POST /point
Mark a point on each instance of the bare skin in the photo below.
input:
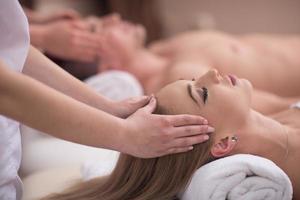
(290, 166)
(192, 54)
(276, 137)
(262, 59)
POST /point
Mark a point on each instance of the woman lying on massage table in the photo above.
(271, 63)
(225, 102)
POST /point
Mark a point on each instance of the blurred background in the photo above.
(163, 18)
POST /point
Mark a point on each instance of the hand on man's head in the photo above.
(70, 39)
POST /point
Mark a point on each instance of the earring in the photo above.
(234, 138)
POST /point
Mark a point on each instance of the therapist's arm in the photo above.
(142, 134)
(34, 104)
(44, 70)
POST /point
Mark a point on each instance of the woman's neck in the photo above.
(148, 68)
(265, 137)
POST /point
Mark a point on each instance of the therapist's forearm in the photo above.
(36, 105)
(44, 70)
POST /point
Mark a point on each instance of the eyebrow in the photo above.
(189, 89)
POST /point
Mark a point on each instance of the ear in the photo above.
(223, 147)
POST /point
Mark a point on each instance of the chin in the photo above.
(249, 84)
(246, 87)
(245, 83)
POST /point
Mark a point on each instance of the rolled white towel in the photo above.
(239, 177)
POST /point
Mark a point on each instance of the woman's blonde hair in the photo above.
(161, 178)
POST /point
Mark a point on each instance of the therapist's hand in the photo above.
(70, 39)
(59, 15)
(149, 135)
(127, 107)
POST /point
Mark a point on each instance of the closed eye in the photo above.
(205, 94)
(189, 89)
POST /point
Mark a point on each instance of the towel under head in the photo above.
(239, 177)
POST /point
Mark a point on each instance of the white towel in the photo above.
(239, 177)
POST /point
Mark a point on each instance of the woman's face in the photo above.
(223, 100)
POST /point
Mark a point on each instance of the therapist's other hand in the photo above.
(149, 135)
(125, 108)
(58, 15)
(70, 39)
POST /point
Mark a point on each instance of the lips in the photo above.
(233, 79)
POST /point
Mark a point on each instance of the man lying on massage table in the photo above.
(270, 62)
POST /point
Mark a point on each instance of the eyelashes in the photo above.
(203, 93)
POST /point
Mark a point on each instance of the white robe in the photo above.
(14, 45)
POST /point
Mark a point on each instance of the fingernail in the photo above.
(210, 129)
(205, 122)
(205, 137)
(191, 148)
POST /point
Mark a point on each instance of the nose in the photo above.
(213, 76)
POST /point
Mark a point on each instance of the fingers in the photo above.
(86, 39)
(150, 107)
(178, 150)
(70, 14)
(111, 19)
(84, 47)
(189, 141)
(131, 105)
(139, 101)
(183, 120)
(186, 131)
(81, 25)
